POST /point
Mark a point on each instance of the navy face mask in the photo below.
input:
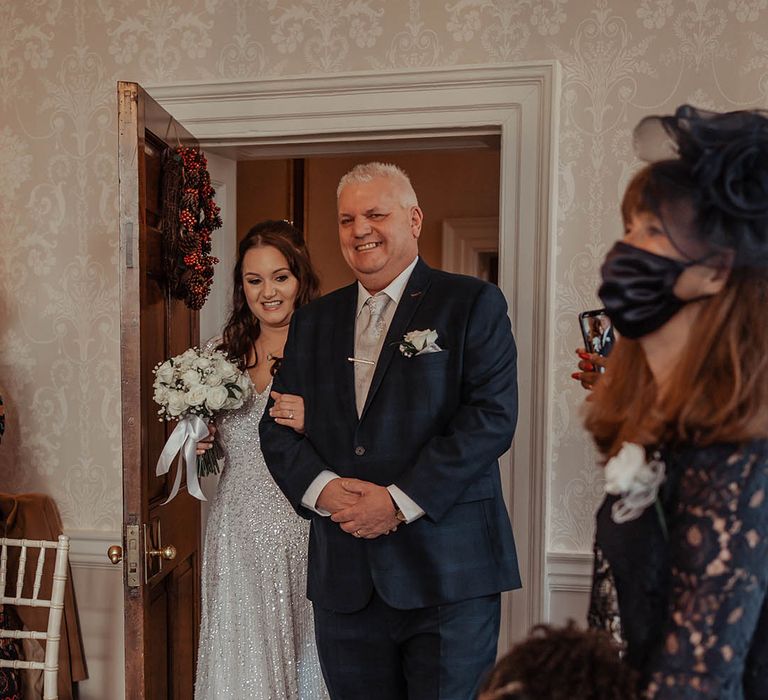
(637, 289)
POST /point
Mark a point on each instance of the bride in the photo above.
(256, 634)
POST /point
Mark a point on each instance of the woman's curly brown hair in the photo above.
(562, 663)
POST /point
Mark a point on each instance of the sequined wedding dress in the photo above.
(256, 634)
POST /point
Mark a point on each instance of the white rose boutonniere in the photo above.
(419, 343)
(637, 481)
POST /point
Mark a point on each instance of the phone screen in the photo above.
(597, 331)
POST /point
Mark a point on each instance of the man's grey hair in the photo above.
(365, 172)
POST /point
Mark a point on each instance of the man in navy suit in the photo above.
(410, 543)
(606, 336)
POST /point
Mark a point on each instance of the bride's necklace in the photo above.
(271, 355)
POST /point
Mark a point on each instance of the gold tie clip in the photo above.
(357, 359)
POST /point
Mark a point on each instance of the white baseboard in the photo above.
(88, 548)
(99, 591)
(569, 581)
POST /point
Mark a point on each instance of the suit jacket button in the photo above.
(359, 450)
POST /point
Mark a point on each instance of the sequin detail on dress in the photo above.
(256, 634)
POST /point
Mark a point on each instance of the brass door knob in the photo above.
(167, 552)
(115, 553)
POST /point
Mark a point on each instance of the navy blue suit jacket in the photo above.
(434, 425)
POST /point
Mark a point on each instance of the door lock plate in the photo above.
(132, 576)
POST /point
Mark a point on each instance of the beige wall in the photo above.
(263, 192)
(451, 184)
(59, 354)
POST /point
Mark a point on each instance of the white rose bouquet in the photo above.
(193, 388)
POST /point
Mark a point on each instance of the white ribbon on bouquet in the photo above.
(183, 440)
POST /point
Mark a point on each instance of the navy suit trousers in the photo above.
(382, 653)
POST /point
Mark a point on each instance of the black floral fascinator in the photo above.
(726, 158)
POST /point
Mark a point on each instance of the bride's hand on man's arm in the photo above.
(288, 410)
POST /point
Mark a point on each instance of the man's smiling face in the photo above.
(377, 232)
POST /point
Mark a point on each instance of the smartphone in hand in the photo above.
(597, 332)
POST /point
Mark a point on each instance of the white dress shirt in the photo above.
(407, 505)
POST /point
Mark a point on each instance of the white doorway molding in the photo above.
(516, 102)
(215, 312)
(465, 240)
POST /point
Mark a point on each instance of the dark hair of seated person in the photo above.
(561, 663)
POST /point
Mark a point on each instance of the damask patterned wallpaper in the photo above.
(60, 60)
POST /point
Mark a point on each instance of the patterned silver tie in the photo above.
(371, 328)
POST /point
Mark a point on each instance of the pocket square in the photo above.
(432, 347)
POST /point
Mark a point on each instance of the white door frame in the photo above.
(465, 239)
(519, 102)
(215, 312)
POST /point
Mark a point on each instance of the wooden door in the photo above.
(161, 594)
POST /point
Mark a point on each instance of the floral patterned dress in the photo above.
(689, 605)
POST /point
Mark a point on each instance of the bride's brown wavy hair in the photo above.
(242, 329)
(717, 391)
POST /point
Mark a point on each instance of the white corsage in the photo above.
(419, 343)
(637, 481)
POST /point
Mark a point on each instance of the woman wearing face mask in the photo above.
(256, 632)
(681, 415)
